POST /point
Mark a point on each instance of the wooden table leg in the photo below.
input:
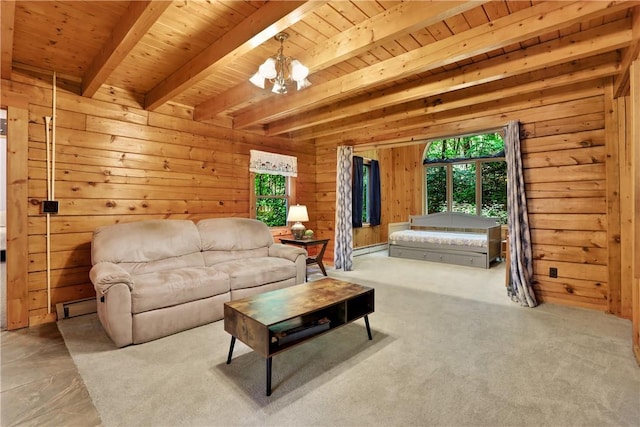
(319, 258)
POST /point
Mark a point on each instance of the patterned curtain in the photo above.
(520, 289)
(343, 248)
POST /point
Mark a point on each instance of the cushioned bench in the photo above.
(449, 237)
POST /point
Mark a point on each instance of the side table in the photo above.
(305, 243)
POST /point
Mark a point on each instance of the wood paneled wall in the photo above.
(565, 145)
(116, 162)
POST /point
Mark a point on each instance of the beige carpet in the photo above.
(449, 348)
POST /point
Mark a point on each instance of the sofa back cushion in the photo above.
(225, 239)
(145, 246)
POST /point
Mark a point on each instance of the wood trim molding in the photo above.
(17, 220)
(635, 138)
(613, 139)
(8, 11)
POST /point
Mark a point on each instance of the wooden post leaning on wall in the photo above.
(17, 263)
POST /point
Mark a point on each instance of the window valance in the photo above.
(272, 163)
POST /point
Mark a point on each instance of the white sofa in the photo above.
(158, 277)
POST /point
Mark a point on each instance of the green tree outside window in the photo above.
(451, 167)
(272, 200)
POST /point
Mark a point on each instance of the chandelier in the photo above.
(281, 70)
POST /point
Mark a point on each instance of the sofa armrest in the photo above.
(103, 275)
(289, 252)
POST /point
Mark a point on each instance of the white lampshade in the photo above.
(268, 69)
(298, 213)
(298, 71)
(303, 83)
(257, 80)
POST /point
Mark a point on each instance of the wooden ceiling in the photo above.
(380, 70)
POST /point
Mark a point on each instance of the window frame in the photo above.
(448, 165)
(290, 192)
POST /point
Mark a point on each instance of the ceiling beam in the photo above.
(621, 86)
(401, 20)
(140, 16)
(469, 119)
(262, 25)
(521, 85)
(574, 47)
(519, 26)
(8, 11)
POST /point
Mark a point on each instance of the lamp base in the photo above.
(297, 230)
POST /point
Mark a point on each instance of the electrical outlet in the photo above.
(50, 206)
(553, 272)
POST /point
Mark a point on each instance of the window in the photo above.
(271, 199)
(467, 174)
(272, 186)
(366, 201)
(366, 207)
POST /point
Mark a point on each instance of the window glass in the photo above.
(436, 189)
(494, 190)
(452, 181)
(271, 199)
(464, 188)
(366, 212)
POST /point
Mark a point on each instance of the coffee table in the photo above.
(273, 322)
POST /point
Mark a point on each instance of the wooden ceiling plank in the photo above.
(8, 11)
(140, 16)
(262, 25)
(598, 40)
(398, 21)
(621, 86)
(511, 29)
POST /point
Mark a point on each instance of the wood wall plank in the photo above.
(118, 163)
(565, 161)
(17, 189)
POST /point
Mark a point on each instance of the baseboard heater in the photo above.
(75, 308)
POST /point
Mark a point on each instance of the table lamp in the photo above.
(297, 214)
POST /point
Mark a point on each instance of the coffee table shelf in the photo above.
(259, 321)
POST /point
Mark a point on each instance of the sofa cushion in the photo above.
(233, 234)
(170, 263)
(171, 287)
(144, 241)
(250, 272)
(217, 257)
